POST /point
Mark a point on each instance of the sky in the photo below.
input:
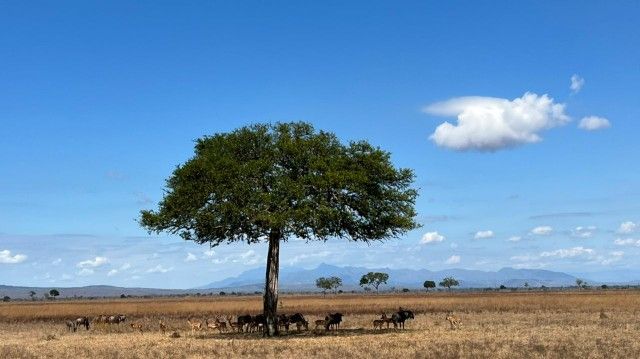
(520, 120)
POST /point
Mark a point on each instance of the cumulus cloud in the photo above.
(7, 258)
(483, 235)
(542, 230)
(209, 253)
(305, 256)
(627, 242)
(57, 261)
(432, 237)
(92, 263)
(490, 124)
(116, 271)
(583, 232)
(514, 239)
(191, 257)
(593, 123)
(576, 83)
(568, 252)
(86, 272)
(627, 227)
(159, 269)
(454, 259)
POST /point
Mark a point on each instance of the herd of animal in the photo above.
(256, 323)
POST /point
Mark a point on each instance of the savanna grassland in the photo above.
(587, 324)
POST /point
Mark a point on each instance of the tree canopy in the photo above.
(328, 283)
(269, 183)
(449, 282)
(429, 284)
(374, 279)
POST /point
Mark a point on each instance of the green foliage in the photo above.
(374, 279)
(54, 293)
(329, 283)
(6, 298)
(502, 286)
(242, 185)
(449, 282)
(429, 284)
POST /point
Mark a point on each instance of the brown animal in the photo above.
(387, 320)
(71, 325)
(222, 325)
(321, 323)
(194, 325)
(136, 326)
(163, 326)
(455, 322)
(234, 326)
(377, 324)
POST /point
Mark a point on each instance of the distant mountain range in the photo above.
(293, 279)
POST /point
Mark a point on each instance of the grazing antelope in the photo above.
(455, 322)
(163, 326)
(321, 323)
(302, 324)
(136, 326)
(194, 325)
(216, 324)
(387, 320)
(71, 326)
(377, 324)
(234, 326)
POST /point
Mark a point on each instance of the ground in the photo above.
(588, 324)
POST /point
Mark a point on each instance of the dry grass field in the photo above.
(495, 325)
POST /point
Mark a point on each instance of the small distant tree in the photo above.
(374, 279)
(222, 293)
(405, 290)
(449, 282)
(502, 286)
(6, 298)
(429, 284)
(604, 286)
(54, 293)
(329, 283)
(579, 282)
(123, 296)
(32, 294)
(526, 285)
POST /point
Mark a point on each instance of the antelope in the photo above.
(235, 326)
(194, 325)
(301, 324)
(217, 324)
(82, 321)
(455, 322)
(163, 326)
(377, 324)
(321, 323)
(71, 325)
(387, 320)
(136, 326)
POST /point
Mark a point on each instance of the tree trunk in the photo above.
(271, 285)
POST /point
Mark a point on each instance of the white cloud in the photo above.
(7, 258)
(300, 257)
(593, 123)
(576, 83)
(116, 271)
(627, 227)
(514, 239)
(490, 124)
(112, 272)
(454, 259)
(568, 253)
(159, 269)
(483, 235)
(454, 245)
(190, 257)
(92, 263)
(524, 258)
(627, 242)
(86, 272)
(57, 261)
(209, 253)
(432, 237)
(583, 232)
(542, 231)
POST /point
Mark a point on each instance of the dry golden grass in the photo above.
(495, 325)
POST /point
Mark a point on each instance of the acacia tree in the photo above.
(269, 183)
(429, 284)
(54, 293)
(374, 279)
(330, 283)
(449, 282)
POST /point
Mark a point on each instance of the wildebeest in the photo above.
(333, 321)
(299, 321)
(400, 317)
(245, 320)
(284, 321)
(71, 325)
(258, 323)
(83, 321)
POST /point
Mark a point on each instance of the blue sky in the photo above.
(537, 168)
